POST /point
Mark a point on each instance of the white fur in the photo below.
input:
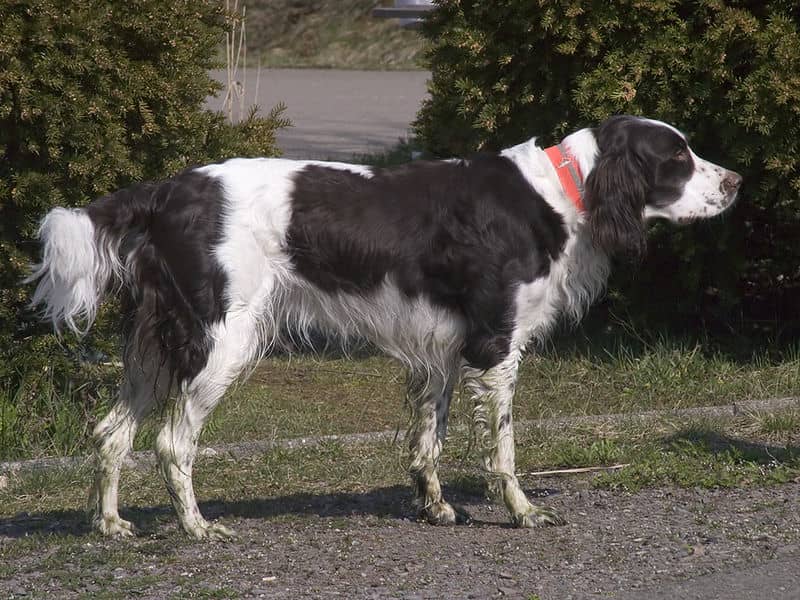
(580, 273)
(74, 271)
(262, 283)
(540, 174)
(266, 296)
(703, 196)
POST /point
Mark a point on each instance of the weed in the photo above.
(782, 422)
(45, 416)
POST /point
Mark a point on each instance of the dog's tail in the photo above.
(81, 257)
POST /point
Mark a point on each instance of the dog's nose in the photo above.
(731, 182)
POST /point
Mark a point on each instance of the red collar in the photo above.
(569, 173)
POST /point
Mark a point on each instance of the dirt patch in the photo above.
(367, 546)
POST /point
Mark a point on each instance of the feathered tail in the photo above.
(81, 255)
(78, 263)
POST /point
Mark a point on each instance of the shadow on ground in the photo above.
(392, 502)
(710, 440)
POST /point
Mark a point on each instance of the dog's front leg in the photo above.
(492, 391)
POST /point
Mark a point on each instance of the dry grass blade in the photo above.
(576, 470)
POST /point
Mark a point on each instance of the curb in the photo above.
(142, 459)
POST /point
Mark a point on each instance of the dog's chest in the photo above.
(573, 283)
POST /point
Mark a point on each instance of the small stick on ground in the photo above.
(576, 470)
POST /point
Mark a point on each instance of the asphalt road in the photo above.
(775, 579)
(335, 114)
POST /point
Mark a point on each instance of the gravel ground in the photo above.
(657, 543)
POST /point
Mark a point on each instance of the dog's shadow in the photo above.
(391, 503)
(718, 443)
(388, 502)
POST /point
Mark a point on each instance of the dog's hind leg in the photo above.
(233, 344)
(493, 391)
(113, 436)
(429, 395)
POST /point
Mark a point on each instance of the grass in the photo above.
(660, 375)
(706, 458)
(782, 423)
(317, 396)
(43, 415)
(337, 34)
(308, 395)
(705, 453)
(289, 483)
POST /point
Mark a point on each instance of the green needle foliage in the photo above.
(95, 95)
(725, 72)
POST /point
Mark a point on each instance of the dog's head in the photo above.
(645, 169)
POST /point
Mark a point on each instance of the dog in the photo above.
(449, 266)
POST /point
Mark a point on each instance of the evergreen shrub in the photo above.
(725, 72)
(95, 95)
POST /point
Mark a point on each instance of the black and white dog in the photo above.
(449, 266)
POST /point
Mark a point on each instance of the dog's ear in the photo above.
(615, 196)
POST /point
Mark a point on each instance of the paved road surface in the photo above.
(337, 114)
(776, 579)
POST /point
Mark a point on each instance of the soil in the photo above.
(656, 543)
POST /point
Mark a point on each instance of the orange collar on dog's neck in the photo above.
(569, 173)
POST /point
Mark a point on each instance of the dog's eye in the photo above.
(681, 154)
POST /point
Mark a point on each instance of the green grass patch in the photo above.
(710, 460)
(310, 395)
(315, 395)
(42, 415)
(566, 453)
(42, 513)
(285, 482)
(664, 374)
(280, 484)
(700, 453)
(779, 423)
(338, 34)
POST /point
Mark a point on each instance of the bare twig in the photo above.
(235, 57)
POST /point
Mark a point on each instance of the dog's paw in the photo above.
(538, 516)
(114, 526)
(443, 513)
(211, 531)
